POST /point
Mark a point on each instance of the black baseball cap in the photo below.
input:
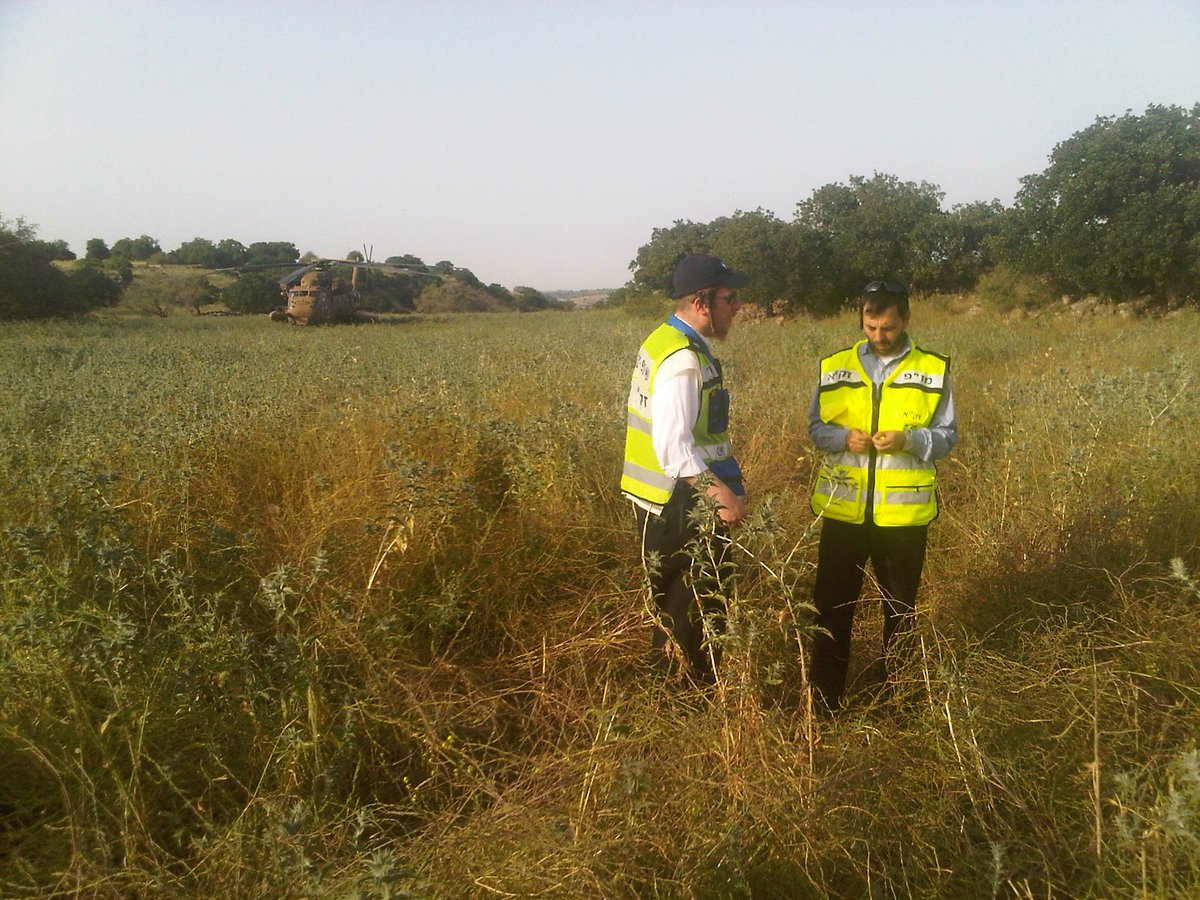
(696, 271)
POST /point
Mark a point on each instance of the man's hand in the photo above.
(858, 441)
(890, 441)
(730, 507)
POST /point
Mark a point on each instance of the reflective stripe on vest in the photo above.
(642, 475)
(903, 488)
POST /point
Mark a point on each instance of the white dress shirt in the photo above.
(674, 408)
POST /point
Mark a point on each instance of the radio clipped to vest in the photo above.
(718, 411)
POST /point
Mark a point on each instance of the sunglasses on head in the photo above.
(891, 287)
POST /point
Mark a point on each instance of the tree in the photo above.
(527, 299)
(57, 250)
(90, 287)
(387, 291)
(233, 251)
(789, 261)
(1117, 211)
(253, 292)
(158, 296)
(266, 252)
(880, 227)
(406, 260)
(139, 248)
(809, 264)
(32, 287)
(196, 252)
(195, 293)
(655, 261)
(203, 252)
(501, 293)
(756, 242)
(119, 268)
(841, 237)
(970, 251)
(458, 273)
(97, 249)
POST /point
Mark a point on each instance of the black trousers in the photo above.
(897, 555)
(688, 613)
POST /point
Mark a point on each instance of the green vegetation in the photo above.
(225, 254)
(1116, 214)
(97, 249)
(253, 292)
(355, 612)
(139, 248)
(1004, 289)
(32, 287)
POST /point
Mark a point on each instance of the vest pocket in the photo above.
(839, 497)
(906, 504)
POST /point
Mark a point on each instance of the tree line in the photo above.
(32, 287)
(1116, 214)
(224, 254)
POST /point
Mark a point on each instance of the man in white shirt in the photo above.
(676, 438)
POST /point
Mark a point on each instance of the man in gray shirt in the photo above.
(882, 412)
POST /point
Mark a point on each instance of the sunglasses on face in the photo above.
(891, 287)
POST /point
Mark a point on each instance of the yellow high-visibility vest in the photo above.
(642, 476)
(903, 488)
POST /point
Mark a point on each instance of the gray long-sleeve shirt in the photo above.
(927, 444)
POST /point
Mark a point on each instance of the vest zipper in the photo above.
(872, 454)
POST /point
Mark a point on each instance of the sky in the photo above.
(540, 143)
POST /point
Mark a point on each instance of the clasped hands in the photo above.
(883, 441)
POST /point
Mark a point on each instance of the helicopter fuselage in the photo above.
(319, 299)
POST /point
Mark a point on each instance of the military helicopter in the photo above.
(316, 295)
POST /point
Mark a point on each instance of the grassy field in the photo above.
(356, 612)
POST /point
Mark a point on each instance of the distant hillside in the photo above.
(581, 298)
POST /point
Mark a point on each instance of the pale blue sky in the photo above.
(539, 143)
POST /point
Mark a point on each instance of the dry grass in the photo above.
(357, 612)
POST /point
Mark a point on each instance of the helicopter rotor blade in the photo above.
(258, 267)
(292, 277)
(388, 267)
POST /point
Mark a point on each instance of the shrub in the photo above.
(452, 295)
(1005, 289)
(31, 287)
(253, 292)
(639, 302)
